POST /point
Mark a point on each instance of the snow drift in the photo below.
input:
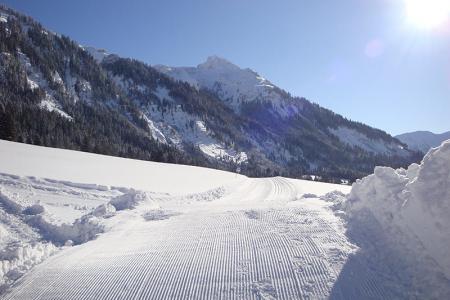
(129, 200)
(18, 259)
(412, 205)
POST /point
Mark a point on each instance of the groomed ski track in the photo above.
(260, 240)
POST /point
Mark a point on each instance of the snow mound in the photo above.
(130, 199)
(89, 226)
(9, 205)
(210, 195)
(38, 216)
(82, 230)
(337, 198)
(104, 210)
(413, 205)
(17, 260)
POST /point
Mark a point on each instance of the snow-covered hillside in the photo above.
(239, 88)
(232, 84)
(423, 140)
(200, 233)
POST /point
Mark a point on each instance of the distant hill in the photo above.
(423, 140)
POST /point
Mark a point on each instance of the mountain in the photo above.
(228, 81)
(423, 140)
(55, 92)
(296, 123)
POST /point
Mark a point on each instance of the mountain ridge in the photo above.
(423, 140)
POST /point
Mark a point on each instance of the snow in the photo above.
(412, 207)
(174, 126)
(214, 149)
(84, 88)
(57, 78)
(129, 200)
(23, 259)
(3, 17)
(33, 85)
(60, 200)
(38, 216)
(246, 240)
(139, 230)
(50, 105)
(232, 84)
(163, 93)
(35, 79)
(98, 54)
(29, 160)
(156, 133)
(353, 137)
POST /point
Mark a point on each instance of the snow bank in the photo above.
(337, 198)
(210, 195)
(87, 186)
(129, 200)
(413, 205)
(28, 234)
(82, 230)
(17, 260)
(9, 205)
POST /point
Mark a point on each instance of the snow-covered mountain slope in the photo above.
(177, 117)
(283, 118)
(423, 140)
(241, 88)
(231, 83)
(58, 93)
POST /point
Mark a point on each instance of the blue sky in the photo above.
(361, 58)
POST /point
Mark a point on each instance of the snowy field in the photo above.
(81, 226)
(81, 167)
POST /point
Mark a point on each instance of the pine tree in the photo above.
(7, 129)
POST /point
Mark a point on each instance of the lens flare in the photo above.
(428, 14)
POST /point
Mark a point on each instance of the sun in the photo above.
(427, 14)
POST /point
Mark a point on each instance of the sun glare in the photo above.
(428, 14)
